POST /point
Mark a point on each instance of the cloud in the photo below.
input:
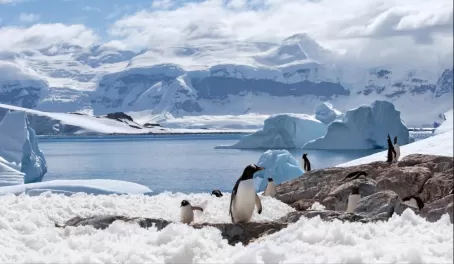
(45, 35)
(90, 8)
(28, 17)
(348, 26)
(10, 1)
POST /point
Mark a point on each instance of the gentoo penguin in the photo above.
(396, 150)
(270, 188)
(355, 175)
(391, 151)
(244, 196)
(353, 200)
(186, 212)
(306, 163)
(216, 193)
(415, 201)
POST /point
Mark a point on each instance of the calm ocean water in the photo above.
(184, 163)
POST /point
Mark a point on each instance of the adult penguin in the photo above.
(396, 150)
(391, 151)
(244, 197)
(306, 163)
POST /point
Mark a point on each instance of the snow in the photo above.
(279, 165)
(19, 150)
(70, 187)
(283, 131)
(439, 144)
(251, 122)
(365, 127)
(29, 235)
(101, 125)
(326, 113)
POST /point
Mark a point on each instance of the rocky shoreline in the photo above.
(382, 191)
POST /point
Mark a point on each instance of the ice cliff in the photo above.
(21, 160)
(279, 165)
(326, 113)
(365, 127)
(285, 131)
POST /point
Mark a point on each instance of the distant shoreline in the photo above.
(146, 134)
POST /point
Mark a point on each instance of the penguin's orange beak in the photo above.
(260, 168)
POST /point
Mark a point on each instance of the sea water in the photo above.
(176, 163)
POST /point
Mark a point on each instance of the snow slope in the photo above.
(70, 187)
(29, 234)
(439, 144)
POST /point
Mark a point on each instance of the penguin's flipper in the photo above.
(258, 203)
(197, 208)
(232, 197)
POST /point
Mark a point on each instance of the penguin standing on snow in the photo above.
(353, 200)
(391, 151)
(244, 197)
(186, 212)
(396, 150)
(306, 163)
(270, 188)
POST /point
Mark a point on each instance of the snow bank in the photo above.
(19, 150)
(326, 113)
(29, 234)
(279, 165)
(365, 127)
(440, 144)
(69, 187)
(283, 131)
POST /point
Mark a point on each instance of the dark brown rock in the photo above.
(337, 200)
(438, 186)
(303, 204)
(404, 181)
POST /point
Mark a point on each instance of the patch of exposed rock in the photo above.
(428, 176)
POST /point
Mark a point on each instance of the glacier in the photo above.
(326, 113)
(365, 127)
(19, 150)
(286, 131)
(279, 165)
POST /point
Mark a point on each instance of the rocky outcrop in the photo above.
(233, 233)
(428, 176)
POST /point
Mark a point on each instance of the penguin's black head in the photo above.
(249, 171)
(270, 179)
(389, 137)
(217, 193)
(184, 203)
(304, 155)
(355, 190)
(395, 140)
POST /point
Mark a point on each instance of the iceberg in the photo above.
(279, 165)
(326, 113)
(286, 131)
(365, 127)
(19, 151)
(69, 187)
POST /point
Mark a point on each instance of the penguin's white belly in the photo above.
(302, 165)
(270, 189)
(397, 149)
(353, 200)
(187, 215)
(243, 206)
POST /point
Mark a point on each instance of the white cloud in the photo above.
(356, 26)
(28, 17)
(45, 35)
(10, 1)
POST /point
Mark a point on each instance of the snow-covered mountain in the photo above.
(216, 79)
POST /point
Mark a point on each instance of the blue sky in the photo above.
(366, 29)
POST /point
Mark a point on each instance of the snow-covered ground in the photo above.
(439, 144)
(29, 235)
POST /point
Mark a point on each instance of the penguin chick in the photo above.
(270, 188)
(186, 212)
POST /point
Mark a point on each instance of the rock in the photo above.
(303, 204)
(433, 211)
(119, 116)
(379, 204)
(233, 233)
(428, 176)
(328, 215)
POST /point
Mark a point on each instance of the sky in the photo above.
(370, 29)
